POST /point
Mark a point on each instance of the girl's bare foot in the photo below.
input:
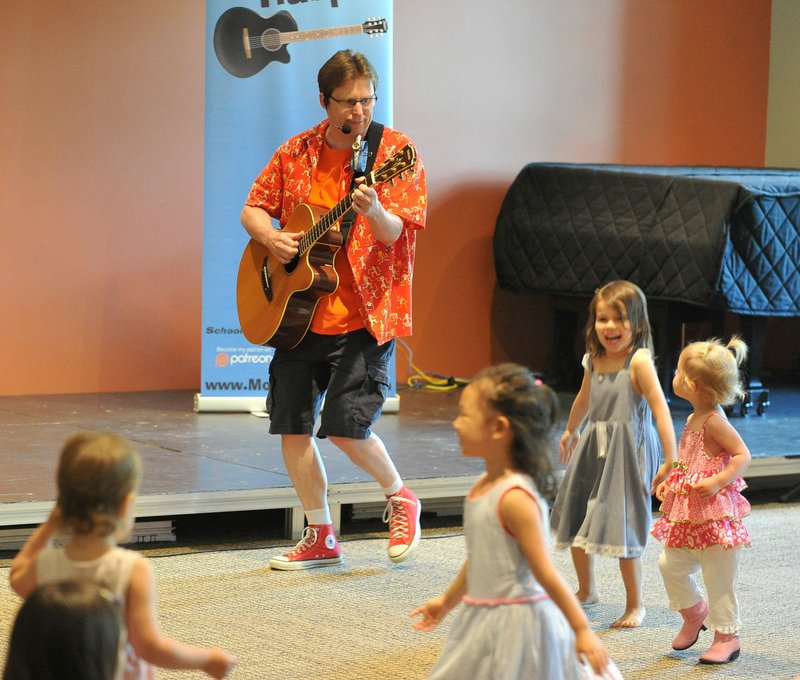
(632, 618)
(588, 599)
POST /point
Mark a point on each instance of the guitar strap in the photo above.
(373, 141)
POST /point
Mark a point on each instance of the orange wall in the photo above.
(101, 163)
(101, 154)
(695, 82)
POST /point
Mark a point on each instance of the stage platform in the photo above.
(196, 463)
(217, 462)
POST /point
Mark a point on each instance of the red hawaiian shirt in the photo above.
(382, 273)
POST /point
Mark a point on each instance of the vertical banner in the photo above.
(262, 60)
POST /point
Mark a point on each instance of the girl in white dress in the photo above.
(97, 477)
(519, 619)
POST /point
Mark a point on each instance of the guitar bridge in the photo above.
(246, 43)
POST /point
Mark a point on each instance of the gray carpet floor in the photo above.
(351, 621)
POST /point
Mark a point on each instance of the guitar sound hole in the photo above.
(290, 266)
(271, 39)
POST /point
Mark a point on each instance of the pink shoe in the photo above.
(693, 618)
(317, 548)
(402, 514)
(724, 649)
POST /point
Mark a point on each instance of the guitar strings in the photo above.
(308, 239)
(323, 225)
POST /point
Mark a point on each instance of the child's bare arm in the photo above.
(146, 637)
(23, 568)
(720, 435)
(577, 414)
(522, 517)
(645, 382)
(435, 609)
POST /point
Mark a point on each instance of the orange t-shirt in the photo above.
(337, 312)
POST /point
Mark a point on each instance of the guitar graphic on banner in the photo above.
(276, 301)
(245, 42)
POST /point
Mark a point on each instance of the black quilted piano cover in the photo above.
(725, 238)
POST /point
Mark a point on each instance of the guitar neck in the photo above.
(400, 162)
(319, 33)
(329, 219)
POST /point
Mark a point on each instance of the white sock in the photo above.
(322, 516)
(394, 488)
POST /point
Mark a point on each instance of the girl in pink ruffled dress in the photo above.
(702, 505)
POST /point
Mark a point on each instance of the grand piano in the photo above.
(699, 241)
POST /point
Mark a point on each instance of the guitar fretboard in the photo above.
(399, 162)
(320, 33)
(273, 40)
(330, 218)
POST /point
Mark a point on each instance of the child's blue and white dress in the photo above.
(507, 626)
(603, 504)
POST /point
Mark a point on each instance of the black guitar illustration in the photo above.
(245, 42)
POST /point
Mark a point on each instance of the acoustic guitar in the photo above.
(245, 42)
(276, 301)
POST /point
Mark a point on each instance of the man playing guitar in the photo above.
(346, 353)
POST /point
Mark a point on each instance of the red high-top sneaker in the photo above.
(402, 514)
(317, 548)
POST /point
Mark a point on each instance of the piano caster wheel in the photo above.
(741, 408)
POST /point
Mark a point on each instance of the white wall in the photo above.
(783, 109)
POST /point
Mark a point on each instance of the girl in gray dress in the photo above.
(603, 506)
(518, 617)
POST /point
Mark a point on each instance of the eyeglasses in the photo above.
(351, 103)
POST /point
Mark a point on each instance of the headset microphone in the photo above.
(344, 128)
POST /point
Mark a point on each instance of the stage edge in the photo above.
(256, 405)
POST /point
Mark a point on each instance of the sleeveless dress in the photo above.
(113, 570)
(689, 521)
(507, 626)
(603, 504)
